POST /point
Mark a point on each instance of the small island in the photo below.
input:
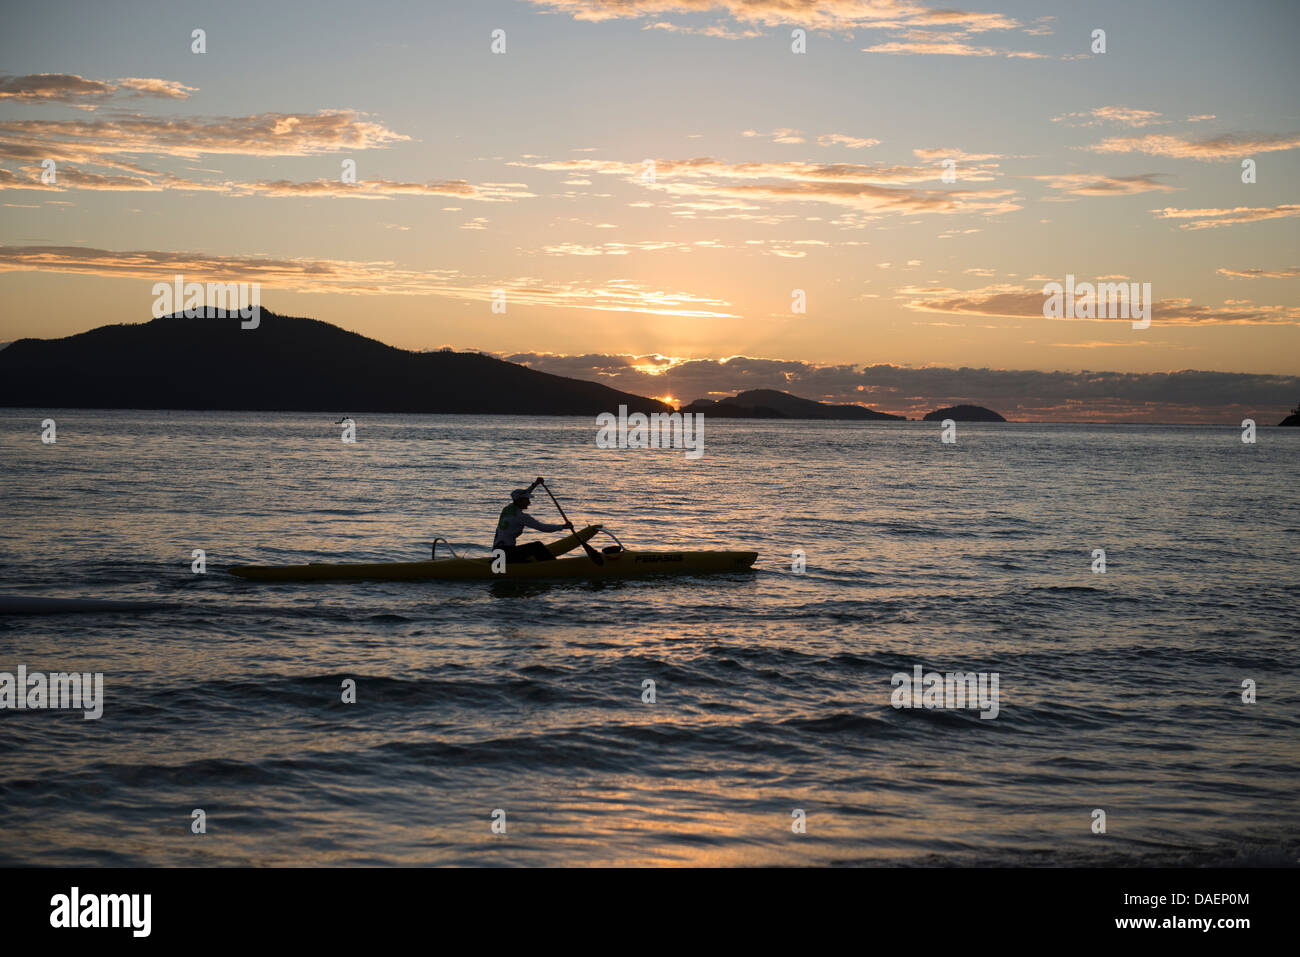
(1293, 418)
(773, 404)
(724, 409)
(964, 413)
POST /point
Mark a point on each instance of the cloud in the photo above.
(705, 167)
(50, 88)
(105, 144)
(1119, 115)
(71, 177)
(387, 189)
(787, 136)
(1010, 301)
(1293, 273)
(938, 155)
(1211, 218)
(861, 196)
(73, 90)
(148, 86)
(615, 249)
(918, 29)
(867, 188)
(264, 134)
(949, 47)
(1227, 146)
(1041, 27)
(1182, 396)
(964, 22)
(843, 139)
(1088, 184)
(812, 14)
(359, 278)
(1102, 344)
(718, 31)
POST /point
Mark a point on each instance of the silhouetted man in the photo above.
(511, 524)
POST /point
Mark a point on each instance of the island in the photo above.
(287, 364)
(964, 413)
(773, 404)
(1293, 418)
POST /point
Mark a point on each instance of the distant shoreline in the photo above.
(50, 410)
(297, 364)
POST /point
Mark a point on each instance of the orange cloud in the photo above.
(1120, 115)
(842, 139)
(616, 249)
(958, 155)
(814, 14)
(1017, 302)
(920, 28)
(387, 189)
(1088, 184)
(705, 167)
(70, 177)
(1293, 273)
(787, 136)
(73, 90)
(1227, 146)
(358, 278)
(949, 47)
(716, 30)
(265, 134)
(705, 179)
(1211, 218)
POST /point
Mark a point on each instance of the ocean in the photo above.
(771, 738)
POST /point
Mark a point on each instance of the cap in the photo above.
(519, 493)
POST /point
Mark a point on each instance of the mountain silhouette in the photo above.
(285, 364)
(772, 404)
(964, 413)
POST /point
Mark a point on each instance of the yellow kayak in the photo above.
(620, 564)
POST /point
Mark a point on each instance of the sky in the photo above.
(669, 197)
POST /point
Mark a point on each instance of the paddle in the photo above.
(594, 555)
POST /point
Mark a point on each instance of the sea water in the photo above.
(731, 719)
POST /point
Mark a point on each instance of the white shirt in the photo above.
(511, 525)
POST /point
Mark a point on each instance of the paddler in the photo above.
(511, 524)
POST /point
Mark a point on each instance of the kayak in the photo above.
(619, 564)
(627, 564)
(318, 570)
